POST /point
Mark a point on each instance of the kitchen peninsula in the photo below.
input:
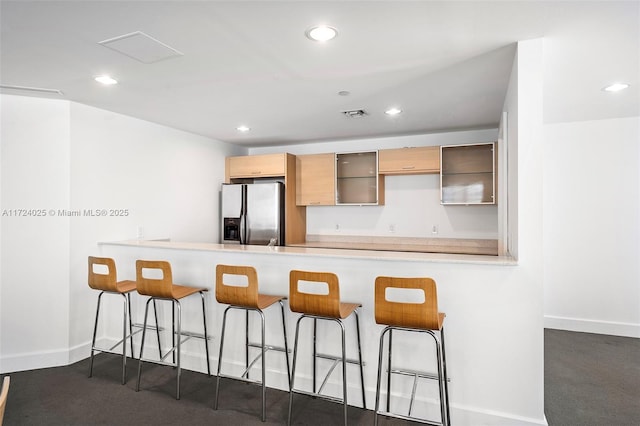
(469, 291)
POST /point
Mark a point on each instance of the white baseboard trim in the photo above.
(34, 360)
(592, 326)
(195, 361)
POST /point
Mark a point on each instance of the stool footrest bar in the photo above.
(318, 395)
(420, 374)
(149, 327)
(326, 378)
(411, 419)
(242, 379)
(268, 347)
(155, 361)
(339, 358)
(118, 343)
(194, 335)
(107, 351)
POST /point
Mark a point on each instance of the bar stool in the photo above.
(327, 307)
(4, 392)
(164, 289)
(108, 283)
(417, 317)
(247, 298)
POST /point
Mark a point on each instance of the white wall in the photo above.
(62, 155)
(34, 310)
(592, 226)
(412, 203)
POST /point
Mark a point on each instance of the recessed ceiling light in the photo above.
(243, 128)
(616, 87)
(105, 79)
(393, 111)
(321, 33)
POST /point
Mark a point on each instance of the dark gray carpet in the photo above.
(65, 396)
(591, 379)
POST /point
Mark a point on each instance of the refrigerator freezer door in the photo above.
(232, 212)
(264, 213)
(232, 200)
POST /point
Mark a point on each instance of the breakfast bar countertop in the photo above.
(316, 250)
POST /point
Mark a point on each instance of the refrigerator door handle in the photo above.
(242, 229)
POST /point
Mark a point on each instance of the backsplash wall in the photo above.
(412, 202)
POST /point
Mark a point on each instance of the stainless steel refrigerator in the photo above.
(252, 213)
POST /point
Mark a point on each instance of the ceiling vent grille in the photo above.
(142, 47)
(355, 113)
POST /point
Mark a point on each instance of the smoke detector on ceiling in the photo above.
(355, 113)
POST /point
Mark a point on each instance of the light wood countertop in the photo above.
(382, 255)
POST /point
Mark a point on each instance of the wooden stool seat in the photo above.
(325, 305)
(164, 289)
(266, 300)
(347, 309)
(419, 316)
(180, 291)
(245, 296)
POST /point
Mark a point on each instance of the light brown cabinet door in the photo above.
(249, 166)
(357, 179)
(315, 180)
(409, 161)
(468, 174)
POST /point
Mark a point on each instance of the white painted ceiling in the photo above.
(445, 63)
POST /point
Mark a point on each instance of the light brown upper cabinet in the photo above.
(467, 174)
(357, 179)
(409, 161)
(316, 180)
(256, 166)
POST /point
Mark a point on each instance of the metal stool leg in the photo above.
(364, 399)
(286, 346)
(206, 339)
(144, 332)
(443, 414)
(95, 331)
(130, 326)
(264, 370)
(379, 377)
(224, 324)
(315, 353)
(173, 332)
(124, 339)
(446, 378)
(293, 369)
(155, 311)
(344, 370)
(389, 370)
(246, 342)
(179, 344)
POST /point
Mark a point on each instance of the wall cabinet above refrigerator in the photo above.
(252, 166)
